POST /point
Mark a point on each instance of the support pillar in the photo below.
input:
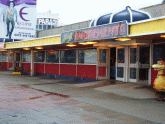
(32, 63)
(8, 60)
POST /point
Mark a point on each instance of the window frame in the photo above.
(43, 57)
(67, 50)
(5, 60)
(52, 62)
(22, 59)
(86, 63)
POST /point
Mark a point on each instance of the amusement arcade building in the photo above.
(120, 46)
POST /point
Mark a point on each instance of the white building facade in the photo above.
(47, 20)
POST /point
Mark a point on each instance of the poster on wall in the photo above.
(18, 19)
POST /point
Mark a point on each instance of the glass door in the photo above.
(120, 64)
(103, 63)
(17, 60)
(133, 64)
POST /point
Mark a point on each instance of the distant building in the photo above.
(46, 20)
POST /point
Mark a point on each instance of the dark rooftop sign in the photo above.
(109, 31)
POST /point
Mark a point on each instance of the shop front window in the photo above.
(6, 57)
(39, 56)
(159, 53)
(68, 56)
(52, 56)
(11, 57)
(3, 57)
(26, 56)
(87, 56)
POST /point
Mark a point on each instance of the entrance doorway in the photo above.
(121, 64)
(17, 60)
(139, 64)
(113, 63)
(103, 62)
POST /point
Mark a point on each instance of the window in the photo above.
(39, 56)
(120, 72)
(44, 27)
(40, 26)
(11, 57)
(87, 56)
(120, 56)
(68, 56)
(52, 56)
(159, 52)
(3, 57)
(103, 55)
(132, 73)
(26, 56)
(49, 26)
(133, 55)
(6, 57)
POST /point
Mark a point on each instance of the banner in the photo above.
(18, 19)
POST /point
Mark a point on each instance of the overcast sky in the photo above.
(73, 11)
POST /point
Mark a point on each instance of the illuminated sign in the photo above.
(108, 31)
(47, 21)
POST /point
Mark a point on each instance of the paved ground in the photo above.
(37, 100)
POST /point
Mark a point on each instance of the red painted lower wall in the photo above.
(52, 69)
(10, 64)
(68, 70)
(38, 67)
(102, 71)
(3, 65)
(26, 66)
(86, 71)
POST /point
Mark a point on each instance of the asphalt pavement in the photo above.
(36, 100)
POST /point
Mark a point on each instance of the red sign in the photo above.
(109, 31)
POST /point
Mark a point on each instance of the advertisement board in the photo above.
(18, 19)
(108, 31)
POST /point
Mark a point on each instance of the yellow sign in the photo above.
(151, 26)
(35, 42)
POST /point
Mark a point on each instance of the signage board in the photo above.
(18, 19)
(109, 31)
(47, 21)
